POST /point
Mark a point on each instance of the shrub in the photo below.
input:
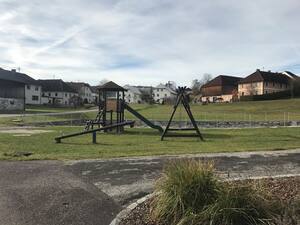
(186, 187)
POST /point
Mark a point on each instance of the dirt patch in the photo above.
(286, 189)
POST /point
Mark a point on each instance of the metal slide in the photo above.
(142, 118)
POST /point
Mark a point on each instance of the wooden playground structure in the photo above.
(110, 116)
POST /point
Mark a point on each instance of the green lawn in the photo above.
(141, 142)
(254, 110)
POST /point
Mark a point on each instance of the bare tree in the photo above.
(198, 83)
(103, 81)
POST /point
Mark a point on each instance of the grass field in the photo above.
(281, 110)
(142, 142)
(255, 111)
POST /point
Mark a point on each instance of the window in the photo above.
(166, 95)
(55, 94)
(35, 98)
(36, 88)
(273, 84)
(280, 85)
(49, 94)
(66, 95)
(157, 95)
(243, 93)
(267, 84)
(28, 87)
(266, 92)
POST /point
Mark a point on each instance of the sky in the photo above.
(147, 42)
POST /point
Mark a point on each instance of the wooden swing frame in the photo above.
(182, 98)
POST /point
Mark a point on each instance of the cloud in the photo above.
(148, 42)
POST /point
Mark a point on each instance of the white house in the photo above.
(84, 91)
(162, 92)
(133, 94)
(33, 90)
(57, 92)
(33, 93)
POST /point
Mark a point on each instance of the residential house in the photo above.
(57, 92)
(95, 94)
(133, 94)
(12, 92)
(222, 88)
(263, 82)
(33, 90)
(163, 93)
(84, 91)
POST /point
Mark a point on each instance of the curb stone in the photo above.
(121, 215)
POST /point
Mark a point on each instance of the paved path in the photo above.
(92, 192)
(43, 193)
(48, 113)
(125, 180)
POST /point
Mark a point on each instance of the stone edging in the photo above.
(121, 215)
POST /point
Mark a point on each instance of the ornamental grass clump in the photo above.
(241, 204)
(189, 193)
(186, 187)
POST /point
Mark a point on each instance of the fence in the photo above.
(209, 119)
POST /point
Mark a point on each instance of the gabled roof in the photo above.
(223, 80)
(111, 86)
(133, 89)
(259, 76)
(290, 74)
(162, 86)
(55, 85)
(16, 76)
(94, 89)
(78, 85)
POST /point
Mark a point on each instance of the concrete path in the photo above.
(47, 113)
(125, 180)
(43, 193)
(92, 192)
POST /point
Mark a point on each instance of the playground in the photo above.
(112, 132)
(111, 115)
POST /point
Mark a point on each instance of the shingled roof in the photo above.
(78, 85)
(223, 80)
(56, 85)
(111, 86)
(259, 76)
(15, 76)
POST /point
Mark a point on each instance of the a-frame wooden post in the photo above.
(182, 99)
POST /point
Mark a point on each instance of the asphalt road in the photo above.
(126, 180)
(92, 192)
(44, 193)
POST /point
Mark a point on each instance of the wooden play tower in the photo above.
(111, 107)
